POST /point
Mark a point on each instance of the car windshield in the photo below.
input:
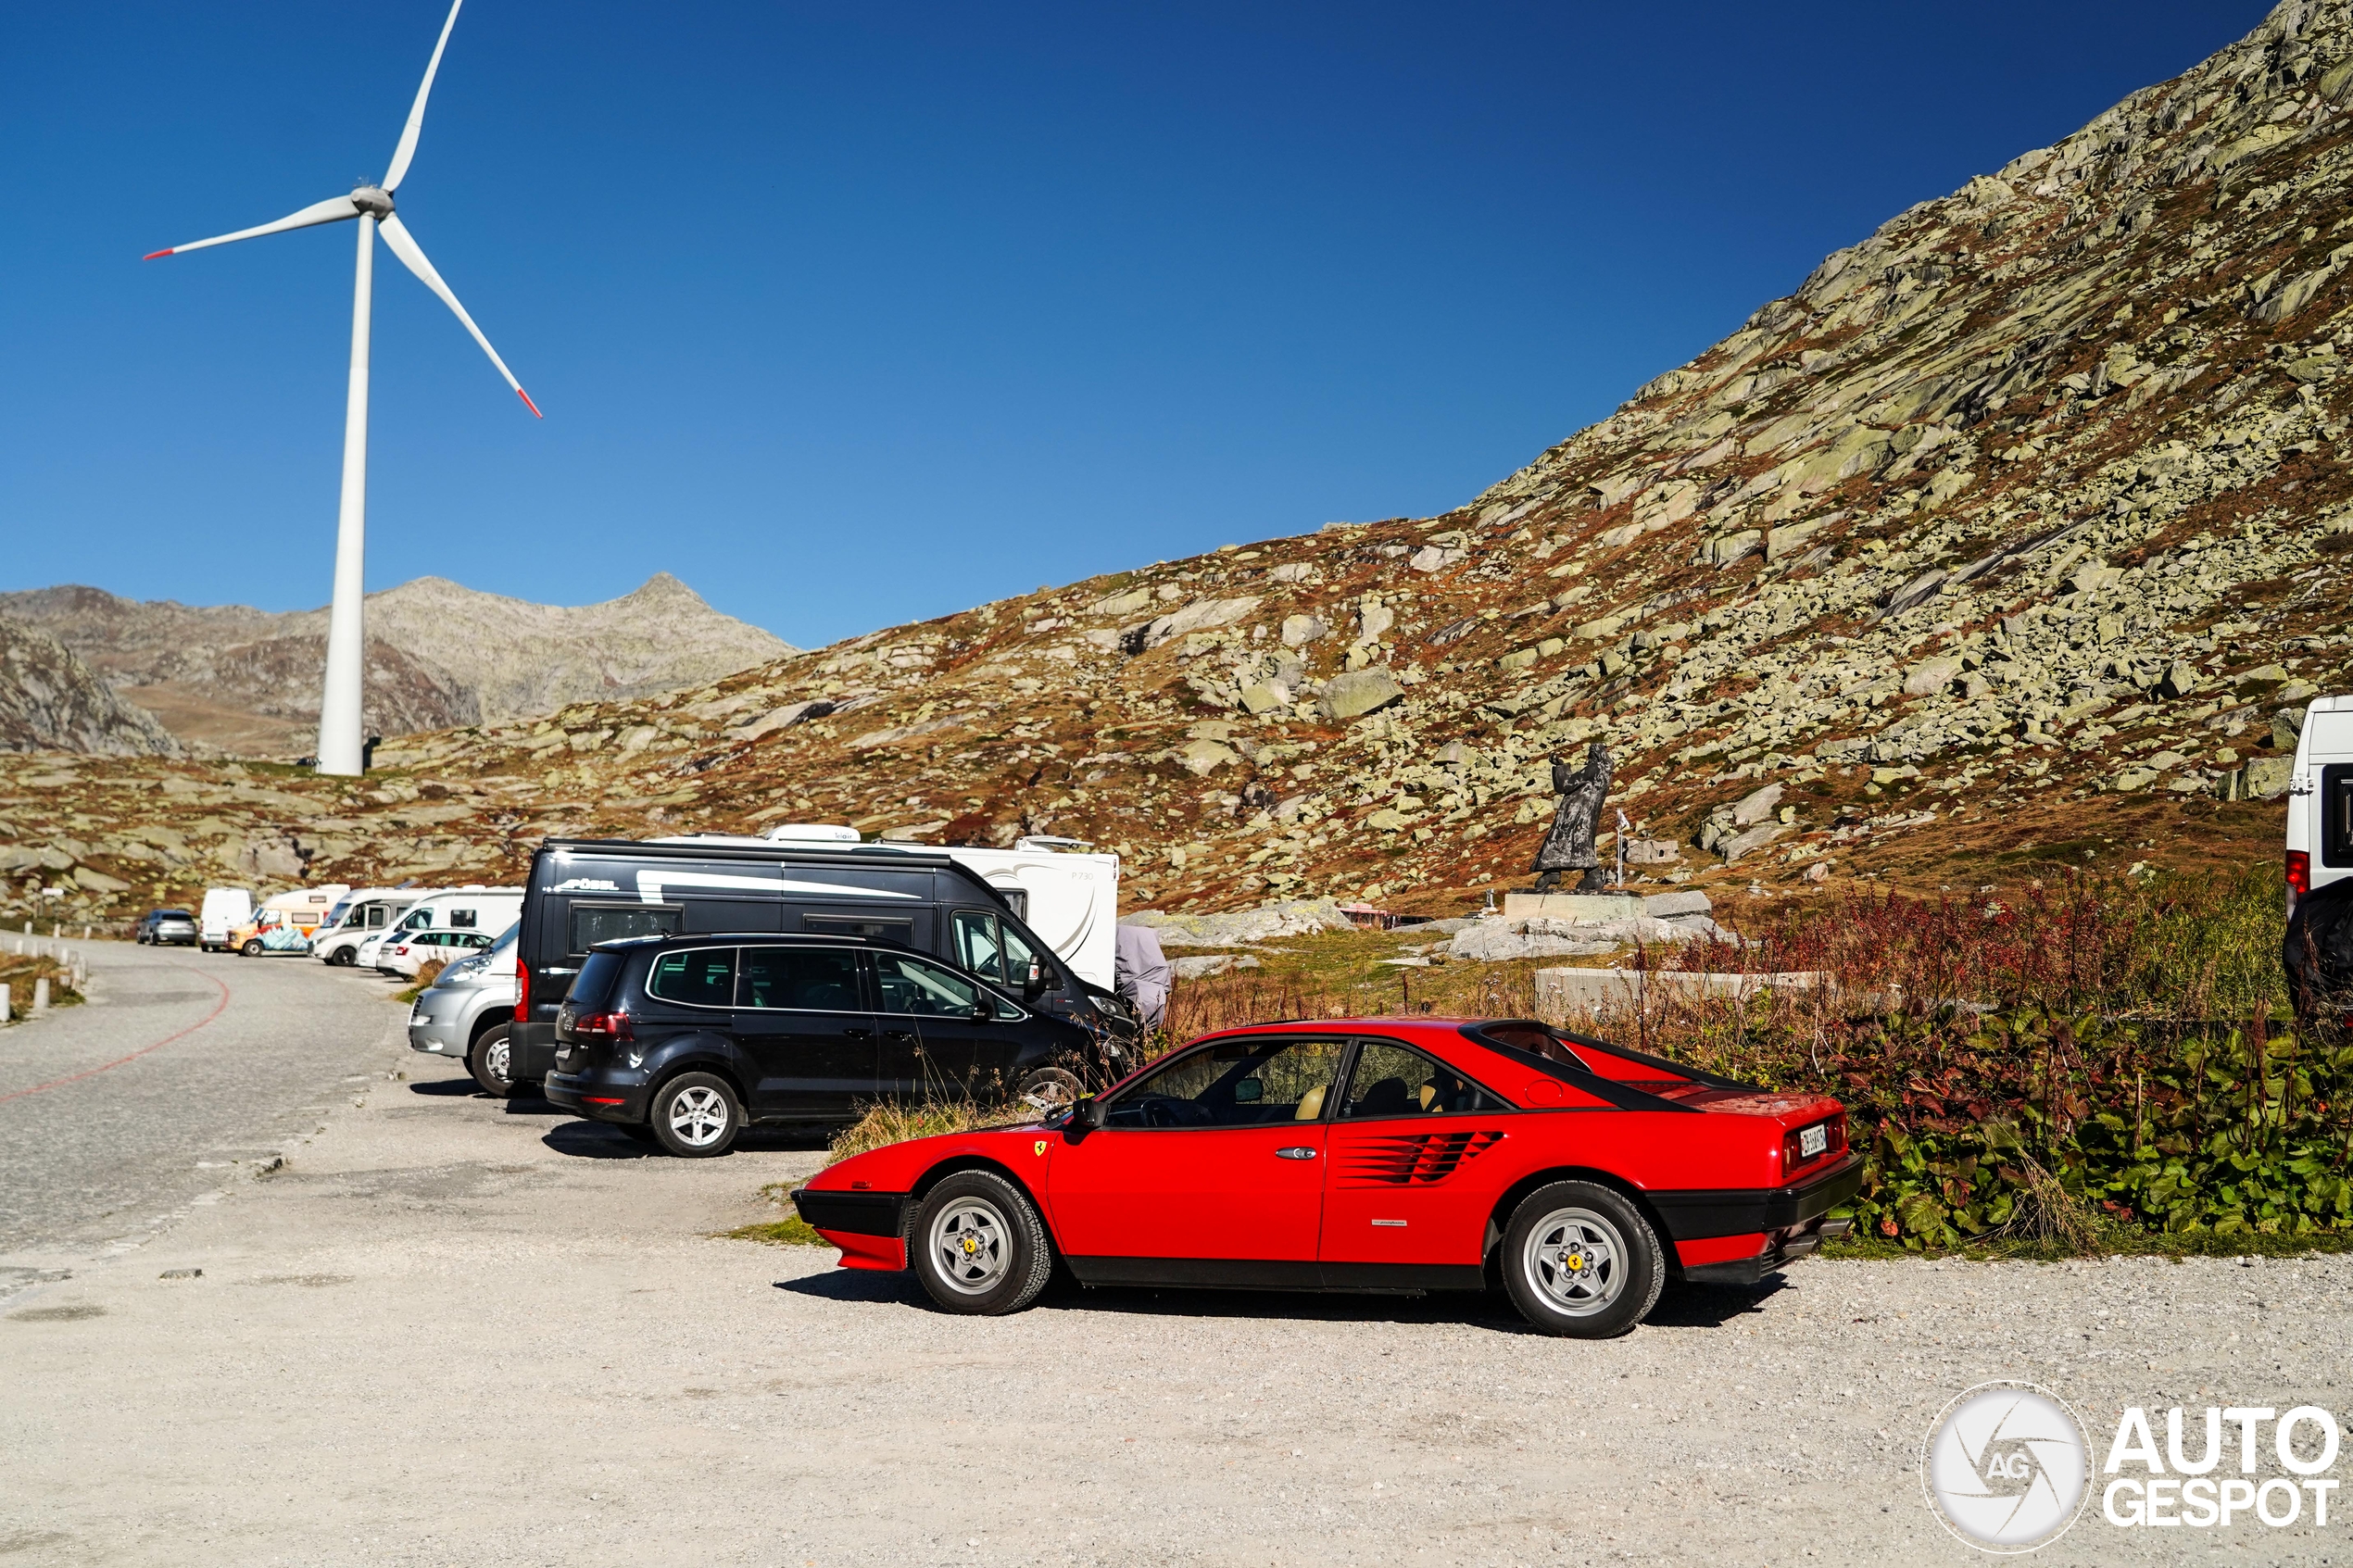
(1245, 1082)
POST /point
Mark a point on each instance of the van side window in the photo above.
(377, 915)
(2337, 815)
(806, 979)
(703, 977)
(978, 947)
(991, 948)
(910, 986)
(592, 924)
(463, 919)
(900, 931)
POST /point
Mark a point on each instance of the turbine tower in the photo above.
(340, 746)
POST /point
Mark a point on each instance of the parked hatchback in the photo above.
(167, 927)
(682, 1041)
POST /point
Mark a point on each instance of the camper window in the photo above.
(592, 924)
(463, 918)
(900, 931)
(2337, 815)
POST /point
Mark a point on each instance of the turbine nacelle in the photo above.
(373, 201)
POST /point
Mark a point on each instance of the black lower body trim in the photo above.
(1782, 1249)
(858, 1213)
(1263, 1273)
(1691, 1216)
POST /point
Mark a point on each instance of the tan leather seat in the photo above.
(1311, 1105)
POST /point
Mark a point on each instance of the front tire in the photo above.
(1579, 1260)
(980, 1247)
(696, 1116)
(491, 1063)
(251, 949)
(342, 958)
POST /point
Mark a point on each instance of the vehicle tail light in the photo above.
(602, 1026)
(2299, 876)
(522, 992)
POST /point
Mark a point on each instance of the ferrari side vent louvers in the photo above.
(1407, 1159)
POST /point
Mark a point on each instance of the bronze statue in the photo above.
(1575, 822)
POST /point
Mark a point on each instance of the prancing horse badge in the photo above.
(1037, 1148)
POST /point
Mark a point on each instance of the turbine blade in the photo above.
(334, 210)
(404, 246)
(402, 154)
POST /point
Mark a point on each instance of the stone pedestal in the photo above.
(1588, 907)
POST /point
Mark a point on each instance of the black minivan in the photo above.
(583, 892)
(683, 1040)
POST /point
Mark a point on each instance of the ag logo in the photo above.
(2005, 1467)
(1037, 1148)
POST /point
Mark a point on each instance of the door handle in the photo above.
(1296, 1152)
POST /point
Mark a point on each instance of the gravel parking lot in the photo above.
(453, 1331)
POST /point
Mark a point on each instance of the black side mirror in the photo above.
(1035, 982)
(1087, 1115)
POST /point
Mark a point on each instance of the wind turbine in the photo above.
(341, 750)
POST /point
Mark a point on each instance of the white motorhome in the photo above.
(225, 908)
(2320, 799)
(474, 907)
(361, 914)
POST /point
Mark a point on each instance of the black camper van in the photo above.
(582, 892)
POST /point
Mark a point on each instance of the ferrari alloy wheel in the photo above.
(695, 1116)
(1580, 1260)
(488, 1061)
(979, 1246)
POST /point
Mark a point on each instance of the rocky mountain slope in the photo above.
(2014, 537)
(51, 701)
(232, 679)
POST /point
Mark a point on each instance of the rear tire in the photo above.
(490, 1062)
(1580, 1262)
(696, 1116)
(979, 1246)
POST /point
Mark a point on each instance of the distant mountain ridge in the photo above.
(51, 701)
(232, 678)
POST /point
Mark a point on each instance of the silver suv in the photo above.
(466, 1013)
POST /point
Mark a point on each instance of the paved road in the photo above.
(183, 1066)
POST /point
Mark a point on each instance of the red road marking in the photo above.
(108, 1067)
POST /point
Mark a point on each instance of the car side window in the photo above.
(703, 977)
(1246, 1083)
(804, 979)
(977, 945)
(910, 986)
(1389, 1081)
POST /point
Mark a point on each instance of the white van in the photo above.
(474, 910)
(2320, 799)
(225, 908)
(361, 914)
(1068, 899)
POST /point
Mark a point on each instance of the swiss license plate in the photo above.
(1814, 1140)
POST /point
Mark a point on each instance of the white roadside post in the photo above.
(5, 1016)
(40, 994)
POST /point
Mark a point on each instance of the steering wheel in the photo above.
(1162, 1110)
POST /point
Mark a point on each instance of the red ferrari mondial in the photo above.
(1366, 1154)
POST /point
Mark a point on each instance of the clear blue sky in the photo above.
(849, 315)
